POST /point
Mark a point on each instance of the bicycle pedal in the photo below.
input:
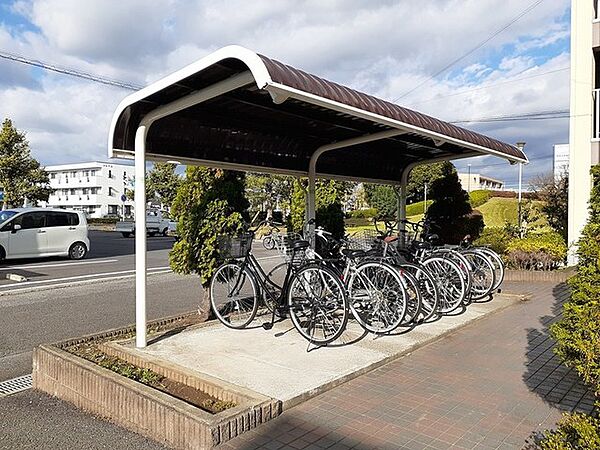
(267, 326)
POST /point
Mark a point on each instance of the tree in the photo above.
(209, 203)
(265, 192)
(162, 183)
(451, 211)
(554, 193)
(330, 197)
(384, 199)
(21, 175)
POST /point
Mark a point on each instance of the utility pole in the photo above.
(520, 146)
(469, 178)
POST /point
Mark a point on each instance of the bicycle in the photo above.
(312, 294)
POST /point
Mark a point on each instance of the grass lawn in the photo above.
(497, 211)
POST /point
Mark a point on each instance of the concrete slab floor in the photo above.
(277, 363)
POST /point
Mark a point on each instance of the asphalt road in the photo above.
(70, 299)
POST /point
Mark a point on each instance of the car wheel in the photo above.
(165, 232)
(152, 234)
(2, 254)
(126, 235)
(77, 251)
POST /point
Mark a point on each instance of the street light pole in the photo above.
(469, 178)
(520, 146)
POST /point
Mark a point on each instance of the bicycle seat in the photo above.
(390, 239)
(349, 253)
(300, 245)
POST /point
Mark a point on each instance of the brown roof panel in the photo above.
(301, 80)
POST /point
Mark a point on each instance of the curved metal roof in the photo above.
(240, 110)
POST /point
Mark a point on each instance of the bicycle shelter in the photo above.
(239, 110)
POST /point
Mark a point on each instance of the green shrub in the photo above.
(363, 213)
(479, 197)
(537, 251)
(578, 332)
(495, 238)
(574, 431)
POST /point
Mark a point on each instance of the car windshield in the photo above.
(6, 214)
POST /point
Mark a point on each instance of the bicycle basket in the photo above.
(235, 246)
(364, 240)
(286, 248)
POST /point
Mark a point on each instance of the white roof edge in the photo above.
(251, 59)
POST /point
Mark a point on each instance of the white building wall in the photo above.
(94, 187)
(478, 181)
(581, 121)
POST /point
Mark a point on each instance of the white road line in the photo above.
(78, 277)
(74, 283)
(269, 257)
(44, 266)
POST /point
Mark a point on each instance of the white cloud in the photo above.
(382, 47)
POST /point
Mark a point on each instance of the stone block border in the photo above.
(556, 276)
(141, 408)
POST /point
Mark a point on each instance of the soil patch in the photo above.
(90, 351)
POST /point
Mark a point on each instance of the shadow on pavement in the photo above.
(545, 374)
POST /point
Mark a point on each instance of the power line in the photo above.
(68, 71)
(473, 50)
(486, 86)
(538, 115)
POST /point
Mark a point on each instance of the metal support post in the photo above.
(140, 237)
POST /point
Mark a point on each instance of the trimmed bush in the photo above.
(495, 238)
(478, 198)
(574, 431)
(578, 332)
(362, 213)
(539, 251)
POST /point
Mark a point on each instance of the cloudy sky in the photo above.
(386, 48)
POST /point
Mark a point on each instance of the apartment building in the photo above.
(584, 127)
(94, 187)
(560, 164)
(475, 181)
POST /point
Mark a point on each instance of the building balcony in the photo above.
(596, 115)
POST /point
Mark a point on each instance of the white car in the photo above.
(40, 232)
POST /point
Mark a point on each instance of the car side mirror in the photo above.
(16, 227)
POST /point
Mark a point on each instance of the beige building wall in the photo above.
(583, 27)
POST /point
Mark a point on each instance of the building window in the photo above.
(72, 191)
(112, 209)
(52, 176)
(110, 191)
(110, 174)
(92, 173)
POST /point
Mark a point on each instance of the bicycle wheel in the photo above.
(268, 242)
(462, 263)
(317, 303)
(273, 283)
(450, 281)
(377, 297)
(413, 297)
(234, 295)
(497, 262)
(482, 273)
(430, 295)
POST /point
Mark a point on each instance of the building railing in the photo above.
(596, 114)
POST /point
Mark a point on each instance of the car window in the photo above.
(6, 214)
(73, 219)
(31, 220)
(56, 219)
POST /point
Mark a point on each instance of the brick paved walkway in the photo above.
(487, 386)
